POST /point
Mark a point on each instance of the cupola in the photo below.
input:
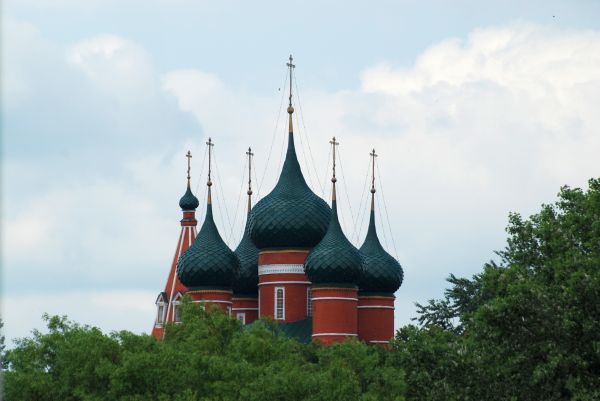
(209, 262)
(382, 273)
(334, 259)
(292, 215)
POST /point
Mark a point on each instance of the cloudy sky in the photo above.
(476, 109)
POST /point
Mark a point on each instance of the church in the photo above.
(294, 264)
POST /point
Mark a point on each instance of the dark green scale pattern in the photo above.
(208, 262)
(334, 259)
(188, 201)
(246, 281)
(291, 216)
(382, 273)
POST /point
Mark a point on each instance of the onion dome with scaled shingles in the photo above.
(292, 215)
(334, 260)
(246, 280)
(208, 263)
(382, 273)
(188, 201)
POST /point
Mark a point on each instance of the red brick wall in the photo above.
(334, 314)
(375, 318)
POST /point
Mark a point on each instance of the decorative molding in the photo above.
(280, 269)
(283, 251)
(236, 309)
(212, 301)
(374, 307)
(284, 282)
(379, 342)
(335, 334)
(335, 298)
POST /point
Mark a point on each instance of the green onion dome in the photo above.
(246, 280)
(208, 262)
(382, 273)
(188, 201)
(291, 216)
(334, 259)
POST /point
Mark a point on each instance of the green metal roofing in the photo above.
(291, 216)
(300, 330)
(381, 272)
(188, 201)
(334, 259)
(246, 280)
(208, 262)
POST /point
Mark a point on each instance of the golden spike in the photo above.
(250, 154)
(333, 143)
(373, 156)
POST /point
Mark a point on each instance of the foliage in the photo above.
(208, 357)
(527, 328)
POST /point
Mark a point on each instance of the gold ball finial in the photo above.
(290, 109)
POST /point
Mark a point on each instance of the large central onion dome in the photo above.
(334, 259)
(382, 272)
(209, 262)
(291, 216)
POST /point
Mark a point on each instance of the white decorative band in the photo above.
(280, 269)
(285, 282)
(375, 307)
(335, 298)
(213, 301)
(379, 342)
(335, 334)
(244, 308)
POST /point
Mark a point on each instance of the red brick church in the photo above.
(294, 264)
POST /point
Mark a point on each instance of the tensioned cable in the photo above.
(346, 191)
(306, 133)
(222, 200)
(324, 184)
(198, 180)
(310, 180)
(386, 211)
(273, 137)
(237, 204)
(360, 207)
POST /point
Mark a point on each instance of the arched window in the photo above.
(160, 309)
(176, 307)
(279, 303)
(309, 302)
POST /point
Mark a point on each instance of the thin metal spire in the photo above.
(210, 144)
(189, 159)
(290, 109)
(333, 143)
(373, 156)
(250, 154)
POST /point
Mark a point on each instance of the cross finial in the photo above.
(210, 144)
(373, 156)
(189, 159)
(250, 154)
(334, 143)
(291, 67)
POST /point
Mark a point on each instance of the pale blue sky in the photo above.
(476, 109)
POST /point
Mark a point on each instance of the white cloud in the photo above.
(474, 129)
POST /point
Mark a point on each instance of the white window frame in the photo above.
(277, 307)
(309, 309)
(241, 316)
(160, 314)
(176, 311)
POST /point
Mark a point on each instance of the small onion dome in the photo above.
(382, 273)
(208, 262)
(291, 216)
(334, 259)
(188, 201)
(246, 281)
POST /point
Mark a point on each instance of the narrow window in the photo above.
(309, 302)
(177, 313)
(160, 313)
(279, 303)
(229, 311)
(241, 316)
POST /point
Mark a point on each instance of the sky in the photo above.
(476, 109)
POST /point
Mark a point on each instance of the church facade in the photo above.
(294, 264)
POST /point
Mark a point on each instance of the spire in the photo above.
(250, 154)
(334, 144)
(290, 109)
(188, 201)
(210, 145)
(373, 156)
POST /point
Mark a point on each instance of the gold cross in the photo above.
(334, 143)
(373, 156)
(291, 66)
(210, 145)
